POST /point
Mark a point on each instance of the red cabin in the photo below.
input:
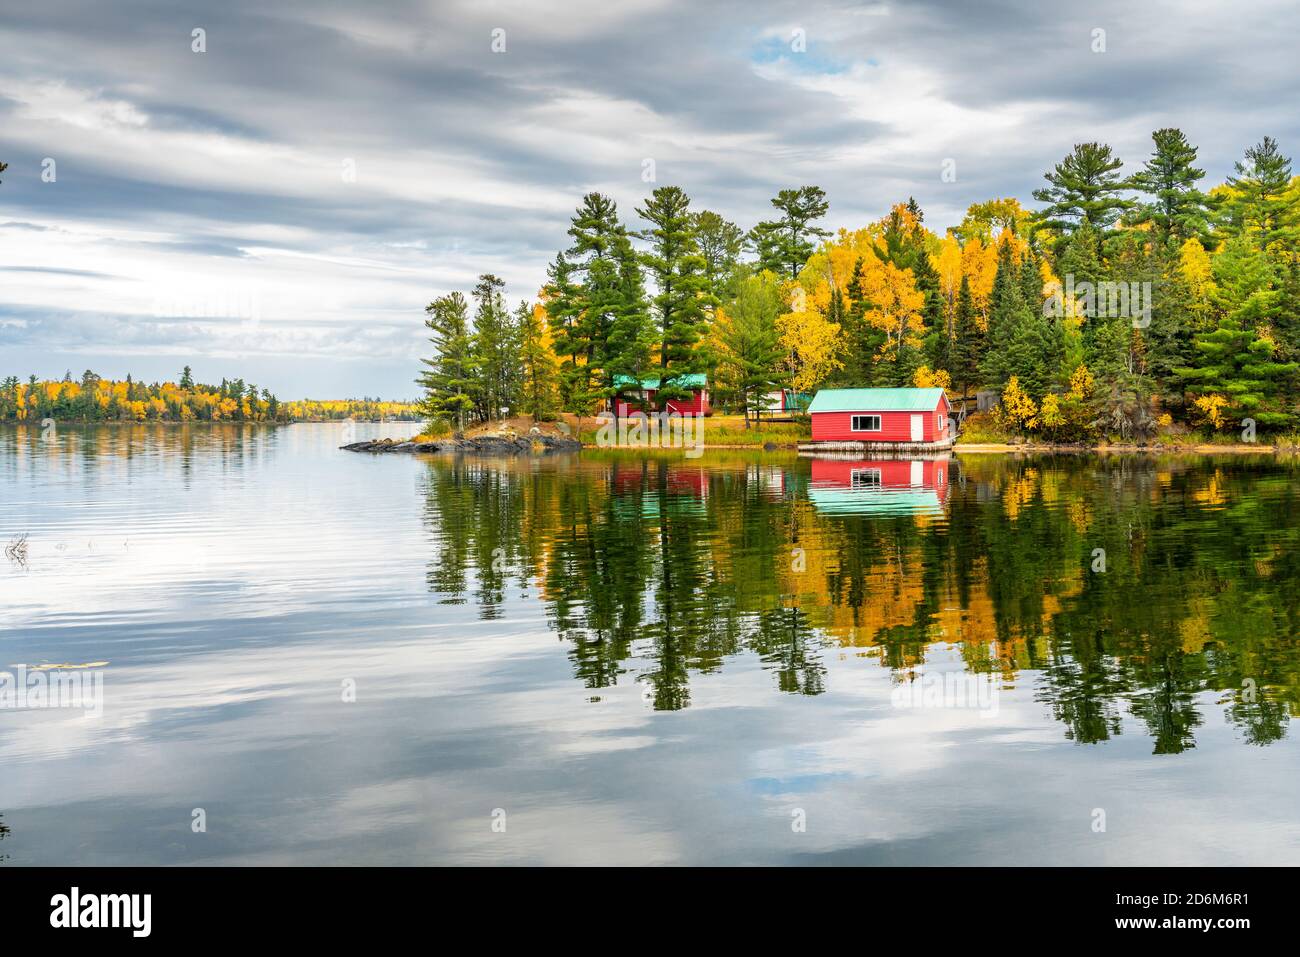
(643, 399)
(890, 416)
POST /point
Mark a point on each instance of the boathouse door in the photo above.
(918, 428)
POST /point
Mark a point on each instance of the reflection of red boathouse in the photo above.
(678, 480)
(913, 486)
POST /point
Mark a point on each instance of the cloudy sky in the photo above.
(283, 205)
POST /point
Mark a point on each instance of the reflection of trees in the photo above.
(790, 646)
(660, 568)
(4, 832)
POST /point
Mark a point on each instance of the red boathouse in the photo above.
(884, 418)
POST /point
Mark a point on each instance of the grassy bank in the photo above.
(729, 432)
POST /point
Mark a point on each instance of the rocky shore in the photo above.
(481, 445)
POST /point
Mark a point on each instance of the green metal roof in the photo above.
(693, 380)
(873, 400)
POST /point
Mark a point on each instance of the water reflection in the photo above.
(845, 485)
(659, 571)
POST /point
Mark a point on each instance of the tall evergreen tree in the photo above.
(966, 338)
(862, 340)
(1177, 209)
(784, 245)
(632, 338)
(450, 381)
(1264, 206)
(675, 263)
(599, 243)
(569, 334)
(1007, 310)
(1084, 188)
(721, 243)
(496, 349)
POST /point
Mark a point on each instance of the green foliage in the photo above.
(450, 381)
(1084, 188)
(1123, 408)
(750, 356)
(966, 352)
(675, 262)
(784, 245)
(721, 243)
(495, 349)
(1262, 205)
(1237, 364)
(1177, 210)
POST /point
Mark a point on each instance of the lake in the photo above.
(320, 657)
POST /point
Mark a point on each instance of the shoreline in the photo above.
(1153, 449)
(550, 445)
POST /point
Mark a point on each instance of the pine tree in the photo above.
(784, 245)
(1238, 366)
(187, 379)
(1263, 206)
(1084, 189)
(863, 341)
(564, 310)
(966, 352)
(1006, 310)
(678, 269)
(721, 242)
(632, 335)
(450, 382)
(1177, 209)
(496, 352)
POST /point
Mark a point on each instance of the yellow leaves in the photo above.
(980, 266)
(1017, 406)
(1081, 383)
(923, 378)
(1211, 408)
(1049, 413)
(982, 218)
(813, 344)
(831, 266)
(948, 264)
(1194, 265)
(895, 300)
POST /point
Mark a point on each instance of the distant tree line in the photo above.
(95, 399)
(1125, 304)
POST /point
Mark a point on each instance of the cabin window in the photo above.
(865, 423)
(938, 422)
(864, 478)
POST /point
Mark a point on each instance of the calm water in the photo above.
(645, 659)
